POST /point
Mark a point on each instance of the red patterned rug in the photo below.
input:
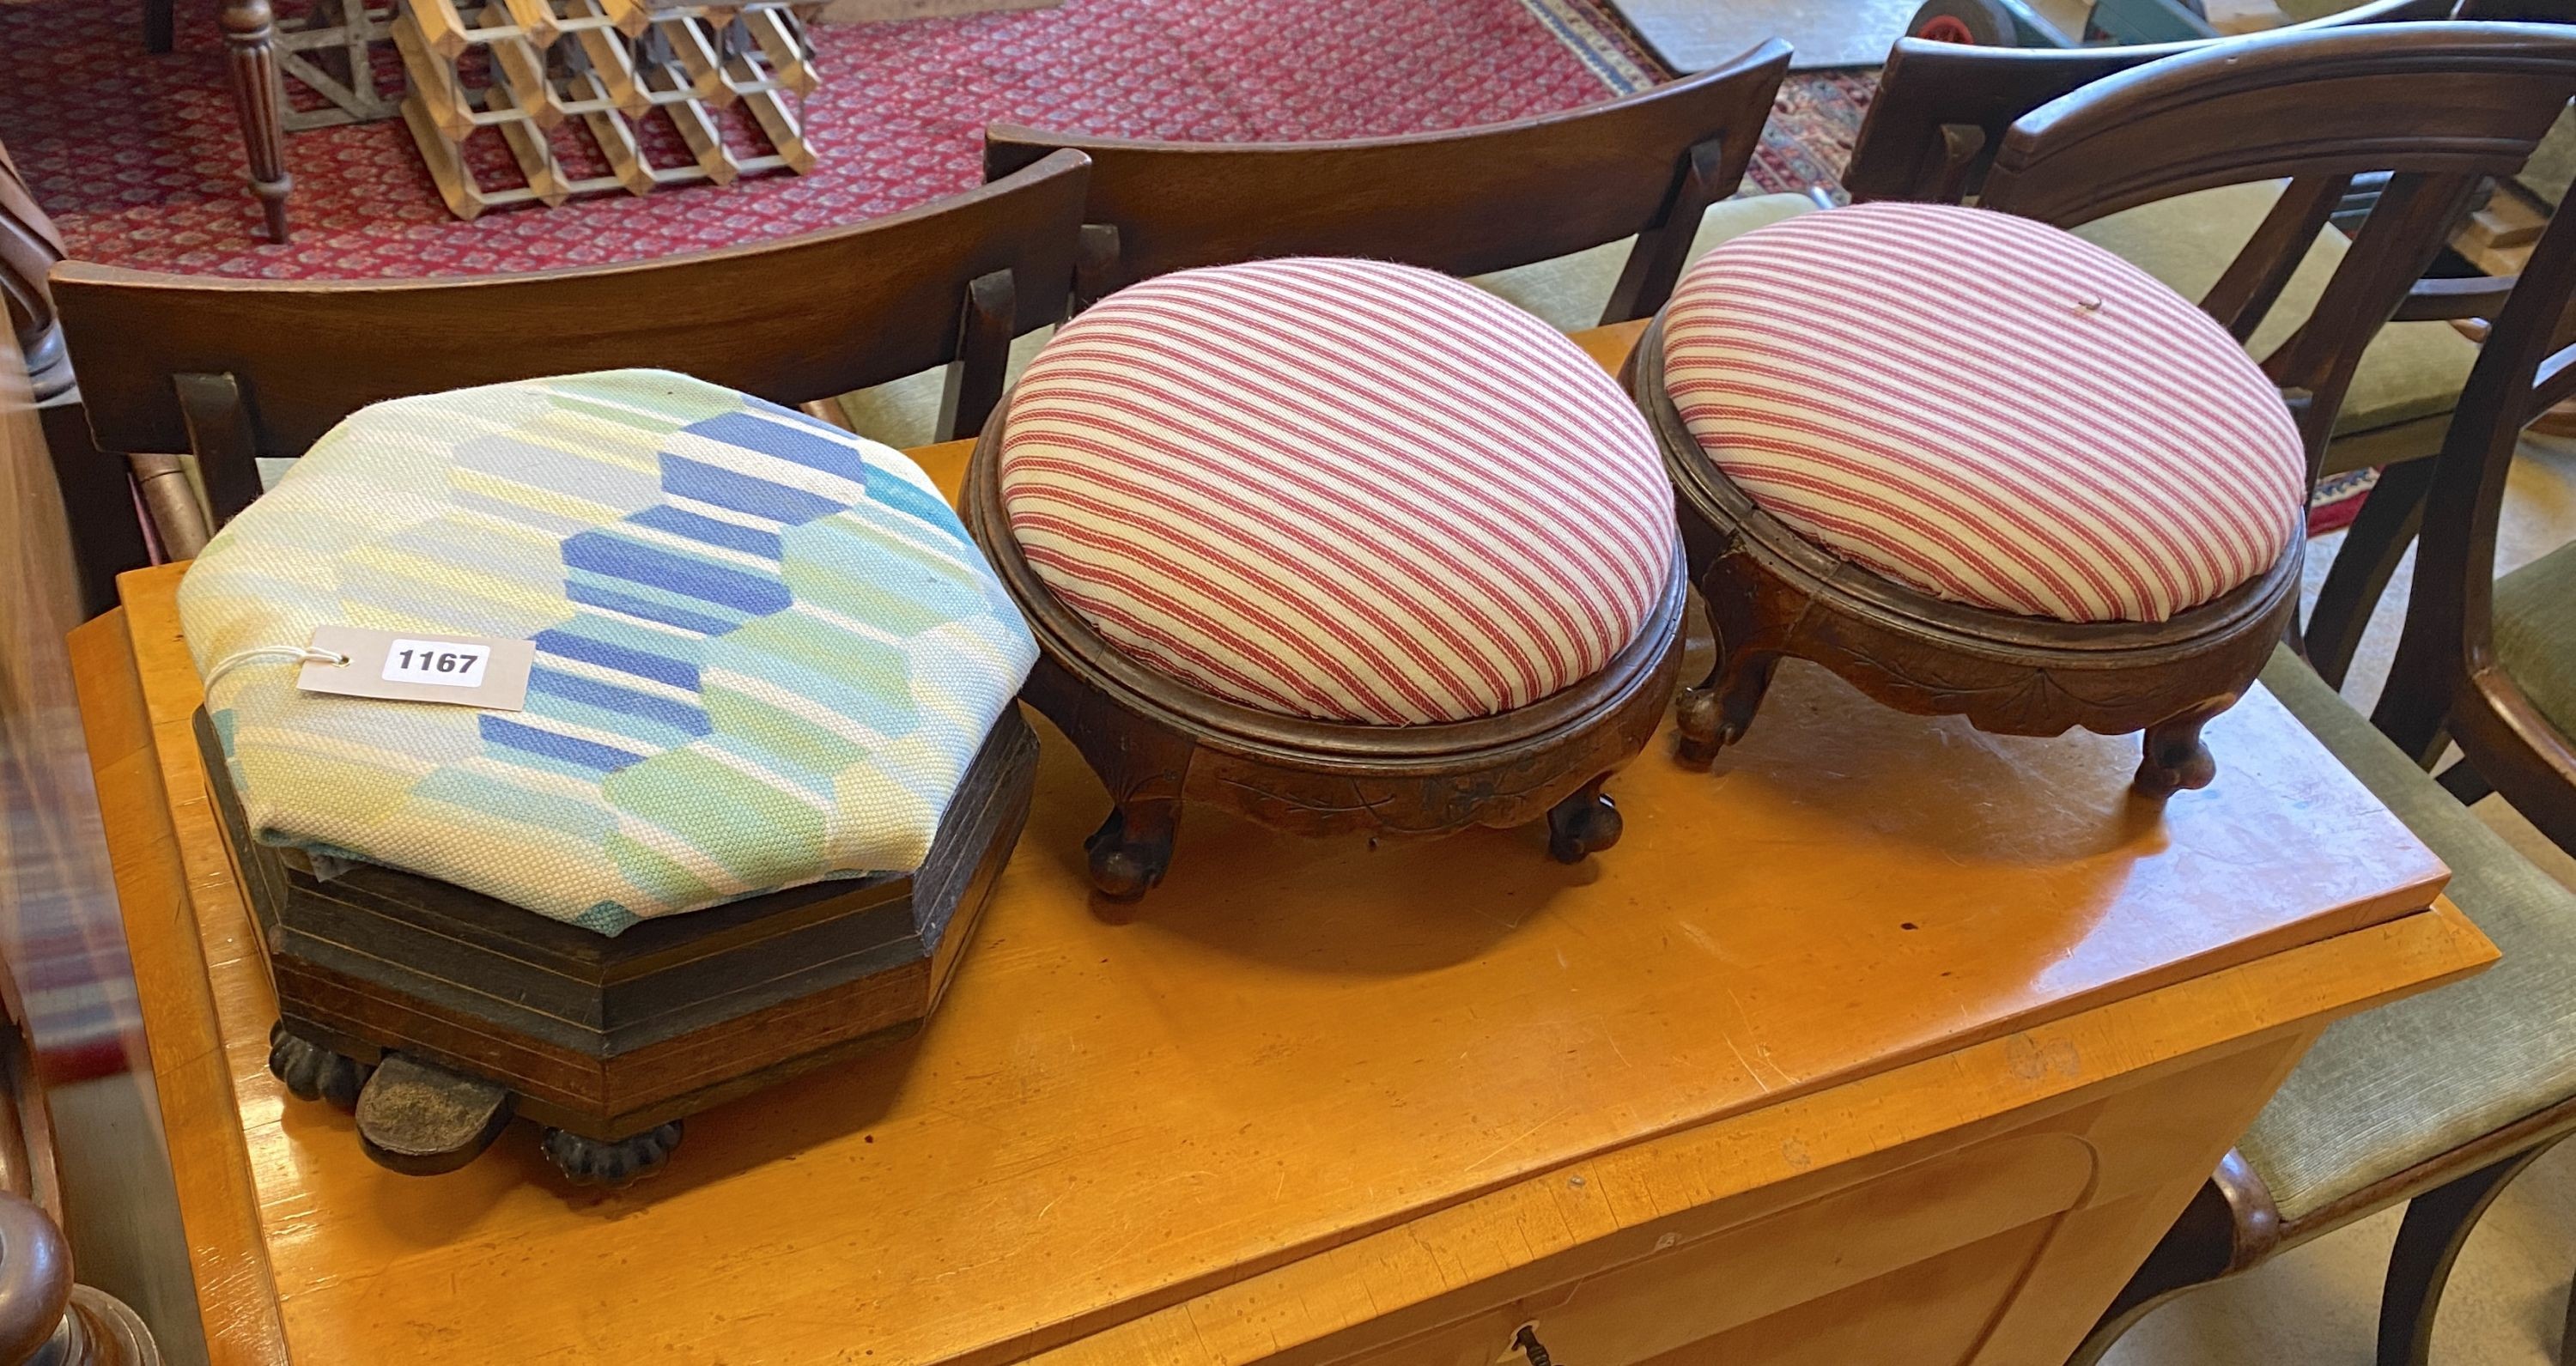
(138, 157)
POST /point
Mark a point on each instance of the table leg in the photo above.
(249, 33)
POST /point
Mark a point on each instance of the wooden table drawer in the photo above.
(1938, 1245)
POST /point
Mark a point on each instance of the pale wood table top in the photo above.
(1293, 1046)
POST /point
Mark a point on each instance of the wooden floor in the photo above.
(1694, 35)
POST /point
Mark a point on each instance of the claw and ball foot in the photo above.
(313, 1072)
(1583, 824)
(2174, 758)
(601, 1162)
(1131, 850)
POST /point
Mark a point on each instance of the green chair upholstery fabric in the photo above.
(2409, 379)
(1569, 292)
(2535, 633)
(2389, 1088)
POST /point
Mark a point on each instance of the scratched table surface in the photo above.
(1290, 1045)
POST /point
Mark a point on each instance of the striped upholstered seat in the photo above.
(765, 649)
(1341, 490)
(1985, 409)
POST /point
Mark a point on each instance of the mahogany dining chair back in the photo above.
(1464, 201)
(1941, 110)
(2436, 107)
(98, 512)
(235, 370)
(2485, 663)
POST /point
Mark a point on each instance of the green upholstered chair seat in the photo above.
(1570, 291)
(2535, 633)
(2411, 376)
(2393, 1087)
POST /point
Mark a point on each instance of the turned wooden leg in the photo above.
(1718, 712)
(1131, 849)
(2175, 758)
(1585, 823)
(250, 34)
(2437, 1224)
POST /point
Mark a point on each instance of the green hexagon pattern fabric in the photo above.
(766, 649)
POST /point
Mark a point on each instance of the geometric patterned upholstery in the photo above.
(1986, 409)
(1343, 490)
(2392, 1087)
(766, 649)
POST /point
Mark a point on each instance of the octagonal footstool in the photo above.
(766, 768)
(1340, 545)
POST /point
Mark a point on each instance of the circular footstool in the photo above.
(1973, 465)
(1341, 545)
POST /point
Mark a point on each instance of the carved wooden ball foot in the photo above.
(1582, 825)
(313, 1072)
(593, 1162)
(1123, 866)
(2174, 757)
(1699, 726)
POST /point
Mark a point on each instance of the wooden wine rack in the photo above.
(526, 69)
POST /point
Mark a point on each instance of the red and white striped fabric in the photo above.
(1986, 409)
(1338, 489)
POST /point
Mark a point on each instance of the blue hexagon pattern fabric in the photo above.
(766, 649)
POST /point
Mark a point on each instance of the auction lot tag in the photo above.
(411, 666)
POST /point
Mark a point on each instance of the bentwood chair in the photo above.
(1465, 201)
(2315, 106)
(2490, 663)
(237, 371)
(1940, 117)
(2436, 1101)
